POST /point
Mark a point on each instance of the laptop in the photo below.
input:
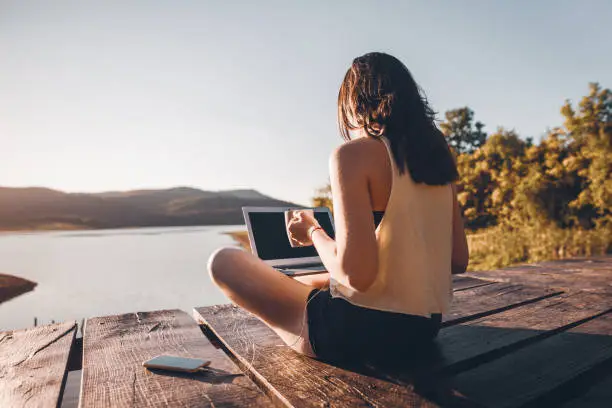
(269, 241)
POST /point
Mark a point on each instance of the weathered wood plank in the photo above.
(587, 274)
(484, 300)
(72, 390)
(598, 395)
(538, 374)
(304, 382)
(262, 352)
(115, 347)
(477, 341)
(467, 282)
(11, 286)
(591, 262)
(75, 359)
(33, 365)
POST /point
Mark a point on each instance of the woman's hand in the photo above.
(299, 227)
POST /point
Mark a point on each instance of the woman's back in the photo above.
(414, 240)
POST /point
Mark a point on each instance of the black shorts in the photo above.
(341, 331)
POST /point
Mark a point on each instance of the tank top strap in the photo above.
(387, 144)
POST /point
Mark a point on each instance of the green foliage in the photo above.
(544, 201)
(501, 246)
(589, 134)
(565, 180)
(463, 135)
(488, 177)
(323, 197)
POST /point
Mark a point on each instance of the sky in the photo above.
(118, 95)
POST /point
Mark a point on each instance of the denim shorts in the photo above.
(341, 331)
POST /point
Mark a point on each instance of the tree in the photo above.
(462, 134)
(488, 177)
(323, 197)
(589, 135)
(547, 185)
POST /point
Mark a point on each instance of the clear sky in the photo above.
(113, 95)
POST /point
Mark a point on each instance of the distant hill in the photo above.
(42, 208)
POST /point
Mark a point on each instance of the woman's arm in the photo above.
(352, 259)
(460, 255)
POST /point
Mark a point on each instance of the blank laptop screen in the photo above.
(270, 235)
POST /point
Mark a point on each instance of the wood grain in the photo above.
(115, 347)
(276, 366)
(586, 274)
(300, 381)
(503, 343)
(481, 301)
(11, 286)
(540, 374)
(467, 282)
(597, 396)
(472, 343)
(33, 365)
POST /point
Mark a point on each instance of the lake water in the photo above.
(82, 274)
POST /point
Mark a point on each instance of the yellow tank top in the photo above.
(414, 242)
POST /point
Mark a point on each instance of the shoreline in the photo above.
(241, 238)
(71, 227)
(49, 227)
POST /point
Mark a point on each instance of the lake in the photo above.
(82, 274)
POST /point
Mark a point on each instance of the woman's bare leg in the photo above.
(273, 297)
(317, 280)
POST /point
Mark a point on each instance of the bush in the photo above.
(500, 246)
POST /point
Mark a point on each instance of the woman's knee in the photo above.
(222, 263)
(304, 348)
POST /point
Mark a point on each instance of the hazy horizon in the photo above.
(152, 189)
(117, 96)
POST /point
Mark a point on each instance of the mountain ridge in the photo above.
(30, 208)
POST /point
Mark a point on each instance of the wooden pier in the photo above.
(527, 336)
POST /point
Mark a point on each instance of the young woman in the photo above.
(387, 284)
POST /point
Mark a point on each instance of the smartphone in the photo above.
(175, 363)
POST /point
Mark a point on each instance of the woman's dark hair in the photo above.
(379, 95)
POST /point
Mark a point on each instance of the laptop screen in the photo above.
(270, 235)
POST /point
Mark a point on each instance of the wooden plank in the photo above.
(75, 360)
(538, 375)
(598, 395)
(467, 282)
(34, 361)
(114, 348)
(591, 262)
(587, 274)
(72, 390)
(304, 382)
(485, 300)
(11, 286)
(261, 352)
(465, 345)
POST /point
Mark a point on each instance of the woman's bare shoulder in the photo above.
(359, 151)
